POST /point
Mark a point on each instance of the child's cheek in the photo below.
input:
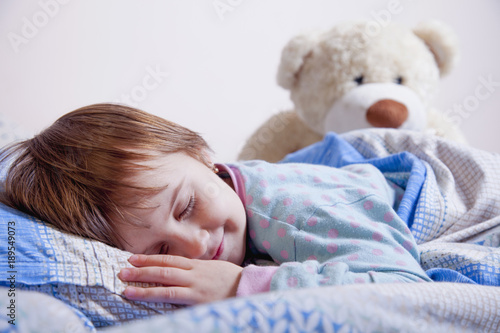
(212, 189)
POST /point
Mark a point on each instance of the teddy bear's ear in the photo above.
(442, 42)
(292, 59)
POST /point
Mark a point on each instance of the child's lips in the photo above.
(219, 250)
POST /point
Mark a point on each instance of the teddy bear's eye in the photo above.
(359, 79)
(399, 80)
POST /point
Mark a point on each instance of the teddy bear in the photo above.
(358, 75)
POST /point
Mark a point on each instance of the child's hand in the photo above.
(185, 281)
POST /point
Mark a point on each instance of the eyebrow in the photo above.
(175, 193)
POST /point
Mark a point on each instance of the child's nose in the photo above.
(194, 243)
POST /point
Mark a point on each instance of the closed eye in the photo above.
(188, 210)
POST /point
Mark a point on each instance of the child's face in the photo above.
(197, 216)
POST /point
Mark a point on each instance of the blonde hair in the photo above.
(69, 174)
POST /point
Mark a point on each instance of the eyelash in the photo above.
(189, 208)
(185, 213)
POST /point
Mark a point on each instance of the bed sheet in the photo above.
(419, 307)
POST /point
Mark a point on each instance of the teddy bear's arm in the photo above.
(280, 135)
(441, 125)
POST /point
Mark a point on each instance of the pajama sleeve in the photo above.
(291, 275)
(326, 226)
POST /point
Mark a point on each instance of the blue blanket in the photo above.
(419, 207)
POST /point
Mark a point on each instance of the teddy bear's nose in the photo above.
(387, 113)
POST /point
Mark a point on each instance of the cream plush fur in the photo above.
(357, 75)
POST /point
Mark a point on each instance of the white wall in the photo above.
(216, 73)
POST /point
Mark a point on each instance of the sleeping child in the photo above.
(146, 185)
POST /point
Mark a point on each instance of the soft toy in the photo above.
(358, 75)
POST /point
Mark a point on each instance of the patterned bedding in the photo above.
(451, 201)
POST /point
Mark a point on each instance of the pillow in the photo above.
(37, 312)
(76, 270)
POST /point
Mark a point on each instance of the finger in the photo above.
(163, 275)
(164, 260)
(175, 295)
